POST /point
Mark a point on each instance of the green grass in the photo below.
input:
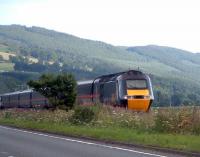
(177, 141)
(6, 66)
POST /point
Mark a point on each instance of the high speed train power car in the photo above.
(130, 89)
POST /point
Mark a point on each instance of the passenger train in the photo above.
(23, 99)
(130, 89)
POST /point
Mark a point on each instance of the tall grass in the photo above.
(179, 120)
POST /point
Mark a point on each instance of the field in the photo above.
(6, 55)
(33, 60)
(177, 128)
(6, 66)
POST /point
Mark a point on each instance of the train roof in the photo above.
(17, 92)
(121, 73)
(110, 77)
(85, 82)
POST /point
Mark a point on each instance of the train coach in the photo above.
(130, 89)
(23, 99)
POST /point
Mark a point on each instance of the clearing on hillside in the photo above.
(6, 55)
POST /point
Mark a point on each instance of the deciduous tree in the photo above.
(59, 89)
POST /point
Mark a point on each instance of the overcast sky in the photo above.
(173, 23)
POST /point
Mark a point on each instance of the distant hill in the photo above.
(36, 50)
(176, 62)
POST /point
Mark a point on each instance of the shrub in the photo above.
(7, 115)
(161, 123)
(59, 89)
(82, 115)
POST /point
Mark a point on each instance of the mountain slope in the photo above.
(51, 45)
(46, 44)
(174, 71)
(184, 63)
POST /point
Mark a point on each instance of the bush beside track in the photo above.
(177, 128)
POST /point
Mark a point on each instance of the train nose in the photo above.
(138, 100)
(139, 104)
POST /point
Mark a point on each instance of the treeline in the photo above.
(15, 81)
(174, 92)
(80, 68)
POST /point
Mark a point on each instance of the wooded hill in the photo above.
(31, 51)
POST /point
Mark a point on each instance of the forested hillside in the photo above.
(26, 52)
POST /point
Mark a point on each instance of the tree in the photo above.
(59, 89)
(177, 99)
(1, 58)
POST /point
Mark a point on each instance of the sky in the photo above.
(174, 23)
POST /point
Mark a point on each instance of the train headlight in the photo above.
(125, 97)
(146, 97)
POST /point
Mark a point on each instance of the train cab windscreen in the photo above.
(136, 84)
